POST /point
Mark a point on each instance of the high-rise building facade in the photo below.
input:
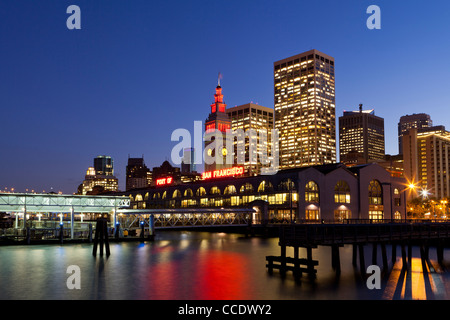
(252, 119)
(217, 122)
(361, 137)
(104, 165)
(304, 99)
(138, 175)
(426, 157)
(416, 120)
(100, 178)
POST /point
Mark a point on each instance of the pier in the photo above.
(358, 234)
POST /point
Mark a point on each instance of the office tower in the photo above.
(416, 120)
(188, 162)
(304, 100)
(138, 175)
(104, 165)
(99, 178)
(260, 119)
(426, 157)
(361, 137)
(217, 122)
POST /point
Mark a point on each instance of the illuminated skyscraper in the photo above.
(420, 121)
(252, 116)
(99, 178)
(217, 121)
(305, 109)
(138, 175)
(361, 137)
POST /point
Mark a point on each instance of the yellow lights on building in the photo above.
(305, 109)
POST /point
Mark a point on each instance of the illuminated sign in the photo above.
(228, 172)
(164, 181)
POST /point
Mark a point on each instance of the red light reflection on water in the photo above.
(222, 276)
(207, 275)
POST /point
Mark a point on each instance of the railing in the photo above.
(325, 234)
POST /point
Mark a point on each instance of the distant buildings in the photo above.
(137, 173)
(304, 98)
(188, 162)
(417, 120)
(361, 137)
(100, 178)
(426, 157)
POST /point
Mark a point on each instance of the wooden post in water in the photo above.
(362, 264)
(354, 254)
(405, 263)
(384, 255)
(101, 234)
(394, 253)
(297, 272)
(440, 252)
(335, 259)
(310, 262)
(283, 261)
(374, 253)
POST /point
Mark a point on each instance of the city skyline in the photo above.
(134, 72)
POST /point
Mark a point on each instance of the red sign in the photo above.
(164, 181)
(228, 172)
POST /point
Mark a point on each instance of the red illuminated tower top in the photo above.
(218, 119)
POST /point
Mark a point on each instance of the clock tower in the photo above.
(217, 122)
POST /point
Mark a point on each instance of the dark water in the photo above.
(197, 265)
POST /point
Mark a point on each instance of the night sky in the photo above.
(139, 69)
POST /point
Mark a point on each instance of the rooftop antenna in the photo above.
(218, 79)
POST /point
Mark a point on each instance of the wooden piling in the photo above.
(405, 263)
(335, 258)
(362, 264)
(283, 260)
(394, 253)
(374, 253)
(101, 235)
(440, 252)
(354, 254)
(384, 255)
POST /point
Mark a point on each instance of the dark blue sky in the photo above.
(139, 69)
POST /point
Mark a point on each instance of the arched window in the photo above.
(156, 195)
(188, 193)
(230, 189)
(265, 186)
(396, 191)
(176, 194)
(200, 192)
(131, 198)
(146, 196)
(375, 193)
(138, 197)
(246, 188)
(397, 215)
(164, 196)
(312, 192)
(214, 190)
(286, 185)
(341, 192)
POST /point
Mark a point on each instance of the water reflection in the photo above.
(421, 280)
(191, 266)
